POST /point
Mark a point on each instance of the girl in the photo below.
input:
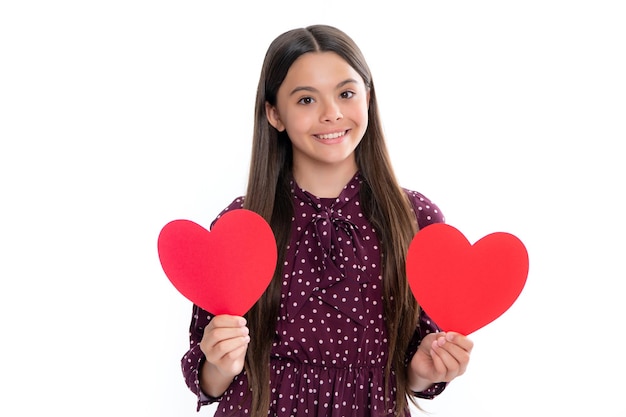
(338, 331)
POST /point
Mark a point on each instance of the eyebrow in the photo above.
(314, 90)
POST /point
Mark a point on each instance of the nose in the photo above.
(331, 111)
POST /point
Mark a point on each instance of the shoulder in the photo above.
(425, 210)
(237, 203)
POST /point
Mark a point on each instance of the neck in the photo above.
(324, 181)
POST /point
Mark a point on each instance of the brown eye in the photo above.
(305, 100)
(347, 94)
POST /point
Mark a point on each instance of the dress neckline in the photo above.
(347, 192)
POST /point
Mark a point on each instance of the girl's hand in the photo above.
(224, 344)
(440, 357)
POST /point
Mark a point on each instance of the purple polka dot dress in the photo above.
(331, 344)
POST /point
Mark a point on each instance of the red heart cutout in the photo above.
(224, 271)
(464, 287)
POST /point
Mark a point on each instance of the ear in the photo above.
(271, 112)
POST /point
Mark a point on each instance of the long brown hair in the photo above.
(383, 200)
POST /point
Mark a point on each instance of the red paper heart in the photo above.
(464, 287)
(224, 271)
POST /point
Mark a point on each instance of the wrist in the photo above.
(416, 382)
(212, 382)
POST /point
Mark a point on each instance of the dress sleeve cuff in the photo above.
(192, 363)
(204, 399)
(432, 391)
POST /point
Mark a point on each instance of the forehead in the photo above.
(320, 68)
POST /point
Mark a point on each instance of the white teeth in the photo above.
(331, 136)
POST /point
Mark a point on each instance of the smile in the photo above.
(332, 135)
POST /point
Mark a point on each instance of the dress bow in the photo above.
(330, 244)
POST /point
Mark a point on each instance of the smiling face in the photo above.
(322, 104)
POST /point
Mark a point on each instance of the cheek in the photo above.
(298, 121)
(359, 107)
(362, 115)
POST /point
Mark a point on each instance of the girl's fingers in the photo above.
(227, 348)
(223, 335)
(462, 341)
(219, 334)
(226, 320)
(449, 358)
(438, 363)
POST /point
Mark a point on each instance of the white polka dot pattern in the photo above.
(331, 344)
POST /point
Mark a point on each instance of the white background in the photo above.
(119, 116)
